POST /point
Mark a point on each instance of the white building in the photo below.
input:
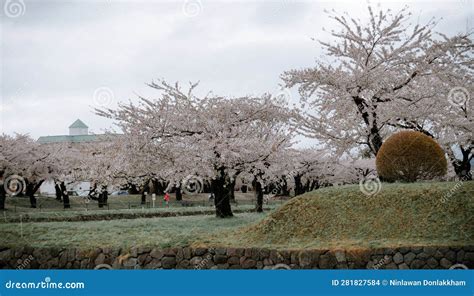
(78, 133)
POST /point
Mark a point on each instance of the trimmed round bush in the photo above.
(409, 156)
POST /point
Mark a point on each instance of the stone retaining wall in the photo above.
(236, 258)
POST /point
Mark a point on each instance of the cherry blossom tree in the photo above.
(291, 169)
(446, 115)
(105, 163)
(379, 76)
(210, 136)
(24, 165)
(297, 169)
(65, 161)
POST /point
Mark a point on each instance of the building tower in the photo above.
(78, 128)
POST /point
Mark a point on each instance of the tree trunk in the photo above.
(258, 195)
(298, 185)
(206, 187)
(232, 191)
(30, 193)
(101, 200)
(145, 190)
(57, 190)
(105, 197)
(374, 140)
(462, 167)
(314, 185)
(66, 203)
(160, 188)
(3, 193)
(221, 188)
(31, 188)
(284, 187)
(178, 193)
(307, 186)
(132, 188)
(37, 186)
(156, 187)
(92, 192)
(3, 197)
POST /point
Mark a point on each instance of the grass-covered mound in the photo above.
(343, 217)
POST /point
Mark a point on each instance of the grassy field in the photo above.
(439, 214)
(44, 203)
(134, 213)
(160, 232)
(49, 207)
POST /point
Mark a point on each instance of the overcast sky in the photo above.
(55, 55)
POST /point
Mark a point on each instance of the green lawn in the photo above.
(440, 214)
(134, 213)
(48, 207)
(160, 232)
(22, 204)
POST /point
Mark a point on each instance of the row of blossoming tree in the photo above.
(377, 77)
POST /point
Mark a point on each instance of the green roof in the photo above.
(68, 139)
(78, 124)
(77, 138)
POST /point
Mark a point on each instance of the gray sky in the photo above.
(56, 54)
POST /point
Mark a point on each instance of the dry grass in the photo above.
(343, 217)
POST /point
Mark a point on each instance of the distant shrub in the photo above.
(409, 156)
